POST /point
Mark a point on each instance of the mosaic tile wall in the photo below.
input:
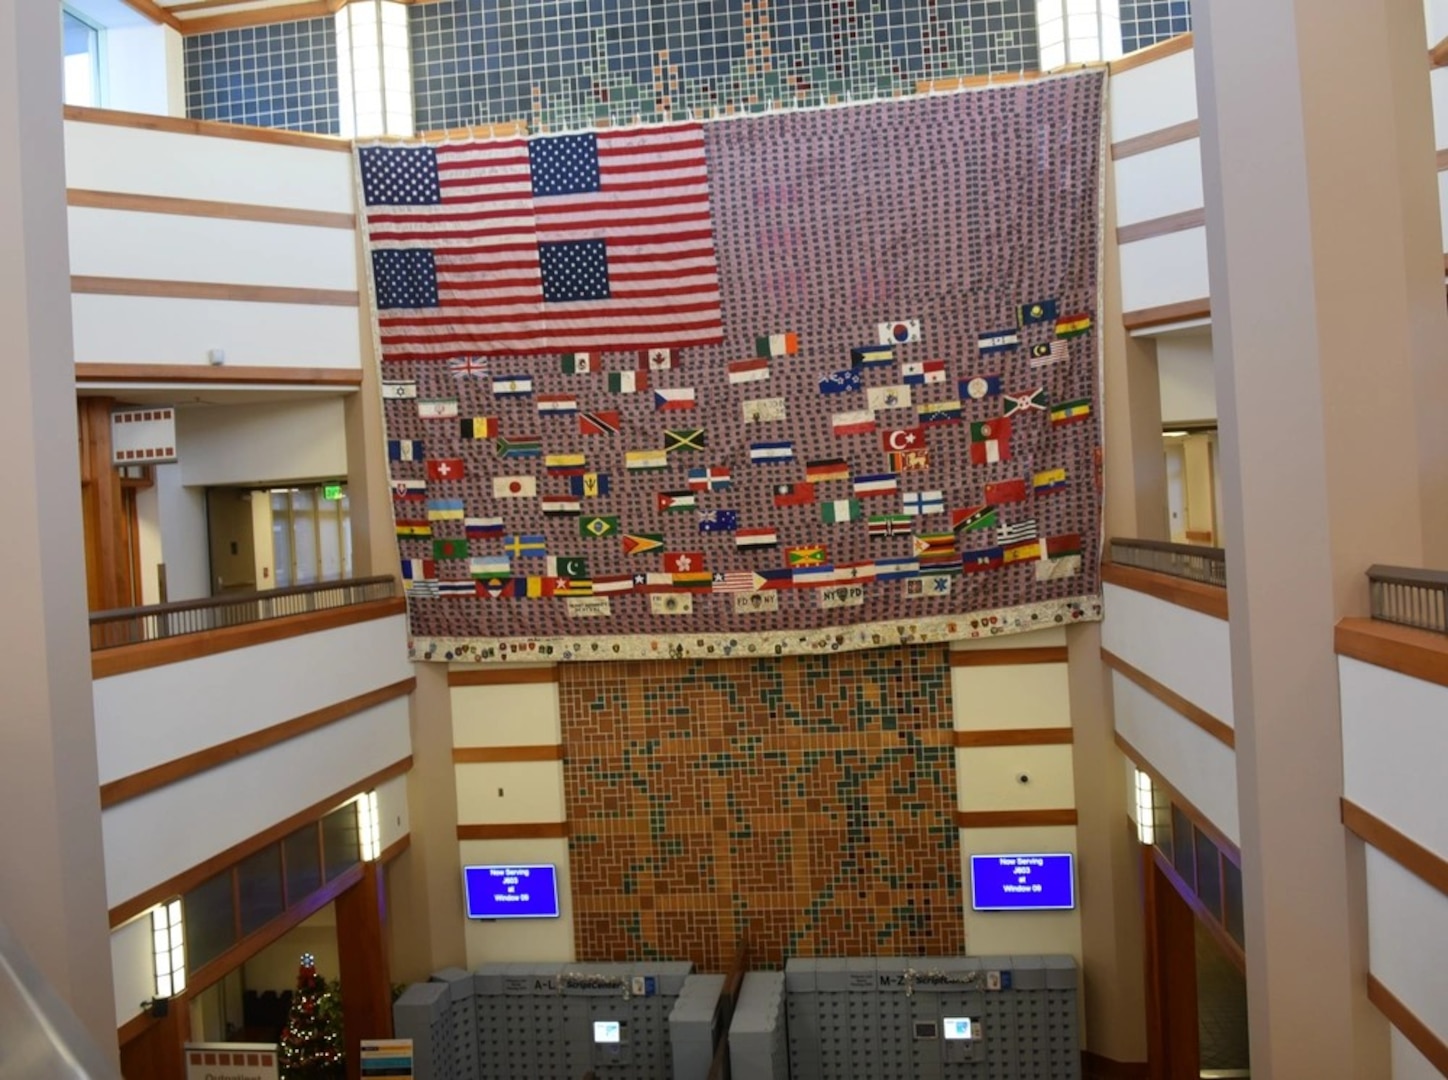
(807, 799)
(567, 63)
(1145, 22)
(279, 76)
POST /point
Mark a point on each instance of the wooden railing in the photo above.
(1408, 597)
(131, 626)
(1190, 561)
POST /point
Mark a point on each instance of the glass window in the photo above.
(304, 536)
(1181, 829)
(281, 502)
(341, 841)
(304, 863)
(1232, 894)
(259, 888)
(210, 920)
(81, 42)
(1209, 874)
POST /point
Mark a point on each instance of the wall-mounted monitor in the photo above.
(607, 1031)
(1044, 882)
(955, 1027)
(511, 892)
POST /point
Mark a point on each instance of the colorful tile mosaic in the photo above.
(278, 76)
(1145, 22)
(804, 801)
(570, 63)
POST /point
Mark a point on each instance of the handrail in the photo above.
(1193, 562)
(129, 626)
(1407, 597)
(724, 1010)
(39, 1034)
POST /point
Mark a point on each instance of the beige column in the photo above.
(1327, 306)
(52, 880)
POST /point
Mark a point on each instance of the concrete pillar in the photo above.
(1328, 322)
(52, 890)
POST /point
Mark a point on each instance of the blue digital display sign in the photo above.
(511, 892)
(1022, 882)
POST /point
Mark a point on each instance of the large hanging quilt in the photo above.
(781, 383)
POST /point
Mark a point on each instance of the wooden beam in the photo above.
(1156, 140)
(1165, 314)
(238, 20)
(1196, 595)
(153, 11)
(1152, 53)
(1048, 654)
(1162, 226)
(349, 378)
(1218, 730)
(534, 830)
(227, 211)
(1007, 819)
(489, 755)
(87, 114)
(149, 654)
(1041, 736)
(501, 676)
(94, 285)
(1438, 54)
(1419, 654)
(1428, 866)
(1423, 1038)
(170, 772)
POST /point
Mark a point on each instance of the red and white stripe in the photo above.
(652, 210)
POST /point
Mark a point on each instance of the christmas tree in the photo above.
(312, 1041)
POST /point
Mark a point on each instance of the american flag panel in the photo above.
(769, 384)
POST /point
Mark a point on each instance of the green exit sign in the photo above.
(332, 491)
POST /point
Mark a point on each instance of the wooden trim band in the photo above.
(1442, 160)
(488, 755)
(1186, 131)
(227, 211)
(206, 373)
(1199, 819)
(218, 968)
(91, 285)
(534, 830)
(154, 12)
(1160, 51)
(148, 780)
(1005, 819)
(1415, 653)
(149, 654)
(1166, 314)
(310, 9)
(1194, 595)
(1218, 730)
(1438, 57)
(394, 849)
(127, 910)
(134, 1028)
(212, 128)
(502, 676)
(1162, 226)
(1048, 654)
(1412, 856)
(1041, 736)
(1423, 1038)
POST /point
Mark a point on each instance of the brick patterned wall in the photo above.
(808, 799)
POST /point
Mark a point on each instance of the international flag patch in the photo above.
(771, 453)
(1006, 491)
(556, 404)
(920, 503)
(719, 521)
(974, 518)
(1052, 353)
(628, 382)
(514, 487)
(642, 543)
(645, 460)
(872, 355)
(786, 344)
(481, 527)
(681, 397)
(597, 527)
(659, 359)
(1038, 311)
(462, 367)
(1071, 412)
(824, 469)
(898, 332)
(526, 545)
(876, 485)
(939, 412)
(564, 464)
(507, 386)
(980, 387)
(881, 525)
(744, 371)
(678, 440)
(445, 469)
(714, 478)
(399, 389)
(405, 450)
(1070, 326)
(923, 372)
(519, 446)
(561, 504)
(836, 511)
(606, 422)
(794, 494)
(437, 408)
(478, 427)
(589, 485)
(858, 422)
(756, 538)
(805, 555)
(676, 500)
(1048, 481)
(998, 341)
(842, 382)
(578, 363)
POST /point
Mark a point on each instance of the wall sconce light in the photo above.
(1145, 809)
(369, 826)
(169, 951)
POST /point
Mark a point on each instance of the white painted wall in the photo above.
(1188, 384)
(522, 714)
(166, 330)
(133, 968)
(996, 933)
(1436, 17)
(520, 939)
(1184, 650)
(1407, 1063)
(275, 967)
(148, 717)
(103, 157)
(177, 247)
(1395, 749)
(148, 541)
(1153, 96)
(145, 70)
(290, 441)
(157, 836)
(1405, 913)
(181, 517)
(392, 812)
(510, 792)
(1166, 269)
(1160, 182)
(1202, 768)
(989, 777)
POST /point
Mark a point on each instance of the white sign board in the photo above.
(232, 1061)
(143, 436)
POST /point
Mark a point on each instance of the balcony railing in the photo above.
(1407, 597)
(130, 626)
(1190, 561)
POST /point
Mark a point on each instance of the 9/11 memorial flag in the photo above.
(594, 241)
